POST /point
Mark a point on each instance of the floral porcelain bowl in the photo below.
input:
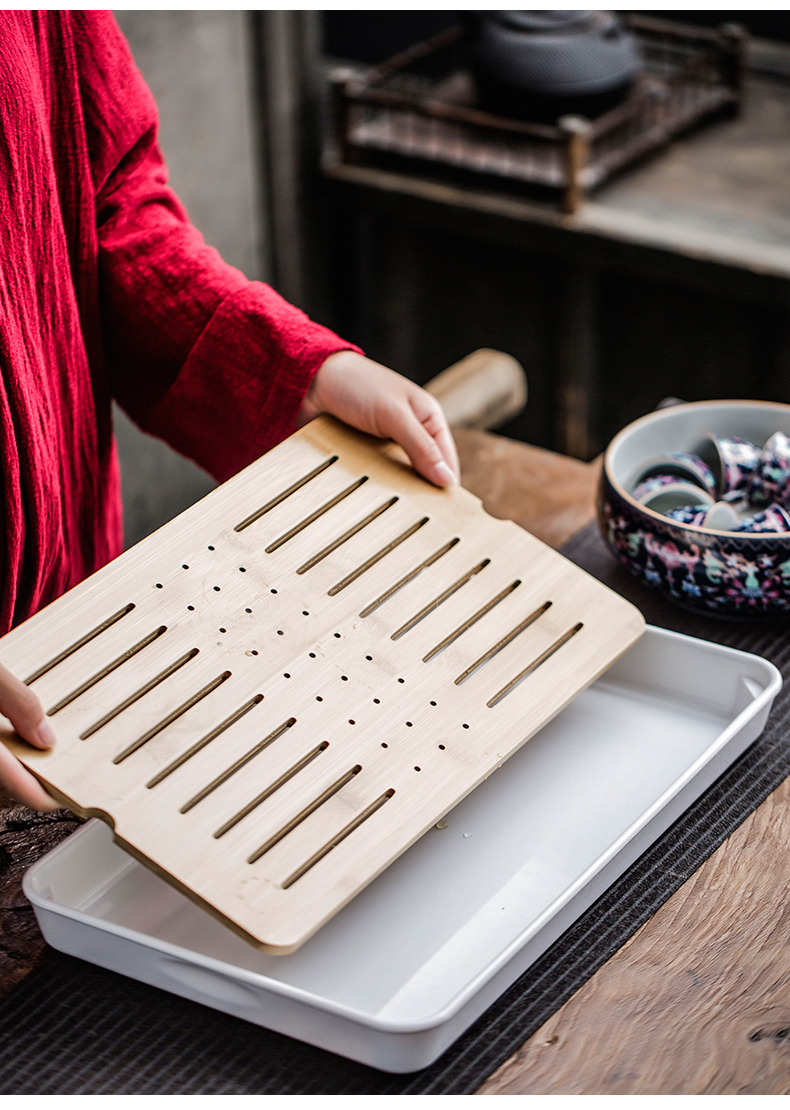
(732, 574)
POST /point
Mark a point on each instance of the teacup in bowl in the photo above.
(773, 519)
(646, 487)
(721, 516)
(684, 465)
(714, 570)
(671, 495)
(770, 482)
(732, 460)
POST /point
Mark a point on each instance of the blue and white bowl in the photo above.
(733, 574)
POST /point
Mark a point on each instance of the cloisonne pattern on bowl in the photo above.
(732, 574)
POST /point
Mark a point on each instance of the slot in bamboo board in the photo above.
(277, 693)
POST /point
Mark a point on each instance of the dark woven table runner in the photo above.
(71, 1028)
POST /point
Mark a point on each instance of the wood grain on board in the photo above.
(697, 1001)
(276, 694)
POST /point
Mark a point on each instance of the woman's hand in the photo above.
(23, 709)
(376, 400)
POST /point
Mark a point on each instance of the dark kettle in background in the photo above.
(544, 64)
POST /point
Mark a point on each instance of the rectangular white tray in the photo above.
(407, 966)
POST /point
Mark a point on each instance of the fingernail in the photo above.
(44, 736)
(444, 475)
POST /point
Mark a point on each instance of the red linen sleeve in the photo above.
(215, 364)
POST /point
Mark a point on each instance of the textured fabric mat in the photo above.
(71, 1028)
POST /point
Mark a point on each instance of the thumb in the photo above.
(417, 423)
(23, 709)
(424, 452)
(18, 783)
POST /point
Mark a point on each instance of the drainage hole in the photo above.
(185, 566)
(433, 703)
(441, 747)
(254, 652)
(401, 680)
(223, 630)
(191, 608)
(217, 588)
(286, 675)
(248, 610)
(385, 745)
(272, 591)
(318, 698)
(159, 585)
(211, 547)
(305, 613)
(312, 655)
(352, 722)
(408, 724)
(280, 632)
(464, 726)
(377, 701)
(337, 635)
(344, 678)
(417, 768)
(243, 570)
(369, 658)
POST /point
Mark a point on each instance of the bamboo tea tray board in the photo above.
(276, 694)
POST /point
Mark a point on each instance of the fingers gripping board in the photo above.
(277, 693)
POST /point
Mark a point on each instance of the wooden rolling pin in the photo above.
(483, 390)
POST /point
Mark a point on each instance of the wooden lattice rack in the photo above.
(277, 693)
(420, 107)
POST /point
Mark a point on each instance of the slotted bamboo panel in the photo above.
(277, 693)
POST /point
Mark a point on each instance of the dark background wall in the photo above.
(238, 94)
(373, 36)
(427, 295)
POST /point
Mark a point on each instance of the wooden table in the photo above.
(696, 1002)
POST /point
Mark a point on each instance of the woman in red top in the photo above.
(107, 290)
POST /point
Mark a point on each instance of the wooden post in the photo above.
(287, 46)
(340, 120)
(577, 154)
(576, 362)
(733, 41)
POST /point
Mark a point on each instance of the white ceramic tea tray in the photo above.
(407, 966)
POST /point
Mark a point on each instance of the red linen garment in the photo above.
(106, 290)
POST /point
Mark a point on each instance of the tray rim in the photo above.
(472, 987)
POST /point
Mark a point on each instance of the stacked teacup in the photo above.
(719, 483)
